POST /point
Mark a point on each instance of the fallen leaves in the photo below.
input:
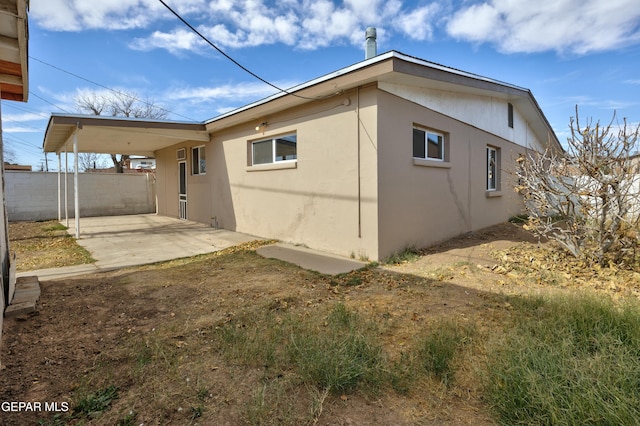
(550, 266)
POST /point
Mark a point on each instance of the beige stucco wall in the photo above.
(198, 186)
(326, 202)
(420, 206)
(355, 189)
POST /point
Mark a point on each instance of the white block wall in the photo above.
(34, 195)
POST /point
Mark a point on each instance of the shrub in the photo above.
(586, 199)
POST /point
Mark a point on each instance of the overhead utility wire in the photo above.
(104, 87)
(50, 103)
(238, 64)
(27, 110)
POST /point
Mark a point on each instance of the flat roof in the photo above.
(118, 135)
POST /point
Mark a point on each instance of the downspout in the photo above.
(359, 172)
(59, 188)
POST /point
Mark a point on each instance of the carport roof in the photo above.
(118, 135)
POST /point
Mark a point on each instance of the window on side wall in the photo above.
(429, 144)
(198, 160)
(274, 150)
(510, 115)
(493, 168)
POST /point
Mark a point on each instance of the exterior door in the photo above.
(182, 189)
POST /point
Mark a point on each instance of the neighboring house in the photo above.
(141, 163)
(14, 86)
(389, 153)
(17, 167)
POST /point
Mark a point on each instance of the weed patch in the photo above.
(409, 254)
(568, 361)
(338, 356)
(438, 348)
(93, 404)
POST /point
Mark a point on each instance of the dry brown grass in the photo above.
(42, 245)
(206, 340)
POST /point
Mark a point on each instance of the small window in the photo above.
(181, 154)
(198, 160)
(510, 115)
(428, 144)
(281, 148)
(493, 168)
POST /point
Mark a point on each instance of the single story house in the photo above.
(389, 153)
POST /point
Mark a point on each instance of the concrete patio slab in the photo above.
(313, 260)
(122, 241)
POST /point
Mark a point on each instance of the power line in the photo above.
(26, 146)
(117, 92)
(242, 67)
(50, 103)
(27, 110)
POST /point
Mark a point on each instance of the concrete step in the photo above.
(26, 296)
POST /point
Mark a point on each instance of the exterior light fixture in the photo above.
(261, 126)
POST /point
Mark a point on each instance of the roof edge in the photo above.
(358, 66)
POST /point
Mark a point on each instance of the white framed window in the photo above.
(274, 150)
(493, 168)
(198, 160)
(428, 144)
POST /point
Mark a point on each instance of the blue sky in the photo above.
(567, 52)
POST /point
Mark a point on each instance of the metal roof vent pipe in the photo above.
(371, 47)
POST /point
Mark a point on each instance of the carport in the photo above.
(109, 135)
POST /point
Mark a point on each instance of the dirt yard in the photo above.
(142, 341)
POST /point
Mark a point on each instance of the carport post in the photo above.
(66, 186)
(75, 181)
(59, 188)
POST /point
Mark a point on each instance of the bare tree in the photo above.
(91, 102)
(119, 104)
(8, 154)
(587, 198)
(90, 161)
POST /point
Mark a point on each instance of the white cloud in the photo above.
(418, 24)
(304, 24)
(28, 116)
(19, 129)
(78, 15)
(175, 41)
(240, 92)
(576, 26)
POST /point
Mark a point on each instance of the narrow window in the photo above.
(428, 144)
(281, 148)
(198, 161)
(492, 168)
(510, 115)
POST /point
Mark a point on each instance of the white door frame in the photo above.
(182, 189)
